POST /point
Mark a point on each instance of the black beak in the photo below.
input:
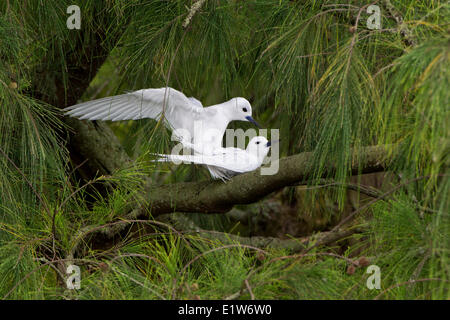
(272, 142)
(250, 119)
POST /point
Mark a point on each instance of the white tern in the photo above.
(191, 122)
(224, 163)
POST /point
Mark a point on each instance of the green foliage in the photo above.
(329, 87)
(413, 246)
(415, 109)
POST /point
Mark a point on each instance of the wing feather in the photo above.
(145, 103)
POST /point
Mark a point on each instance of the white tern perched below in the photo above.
(224, 163)
(187, 117)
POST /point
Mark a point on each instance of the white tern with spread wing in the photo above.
(188, 118)
(224, 163)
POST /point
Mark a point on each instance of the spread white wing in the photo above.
(145, 103)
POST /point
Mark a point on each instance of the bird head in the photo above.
(259, 146)
(243, 111)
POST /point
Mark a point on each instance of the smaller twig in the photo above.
(408, 282)
(247, 285)
(108, 226)
(353, 42)
(382, 69)
(63, 277)
(192, 11)
(234, 295)
(81, 188)
(402, 27)
(368, 191)
(314, 54)
(381, 197)
(419, 268)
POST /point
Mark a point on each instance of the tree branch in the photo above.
(192, 11)
(187, 226)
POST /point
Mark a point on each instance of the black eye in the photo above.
(245, 109)
(257, 142)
